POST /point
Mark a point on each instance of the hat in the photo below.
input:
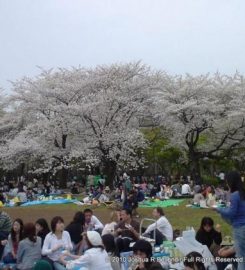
(227, 241)
(94, 238)
(107, 188)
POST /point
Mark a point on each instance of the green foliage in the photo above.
(210, 180)
(159, 151)
(203, 139)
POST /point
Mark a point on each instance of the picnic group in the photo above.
(87, 243)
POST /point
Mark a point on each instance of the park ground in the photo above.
(179, 216)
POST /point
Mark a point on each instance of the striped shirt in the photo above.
(5, 222)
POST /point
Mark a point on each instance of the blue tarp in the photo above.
(49, 202)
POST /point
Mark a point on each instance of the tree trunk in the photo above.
(195, 166)
(63, 177)
(109, 170)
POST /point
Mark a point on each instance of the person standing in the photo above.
(235, 214)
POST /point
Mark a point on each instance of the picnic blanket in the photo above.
(200, 207)
(166, 203)
(49, 202)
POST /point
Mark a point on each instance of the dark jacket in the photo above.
(75, 230)
(42, 235)
(207, 238)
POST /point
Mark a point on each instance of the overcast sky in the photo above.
(179, 36)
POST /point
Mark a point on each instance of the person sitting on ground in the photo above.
(29, 194)
(176, 188)
(115, 217)
(197, 198)
(143, 185)
(164, 230)
(226, 252)
(197, 189)
(42, 228)
(168, 192)
(103, 197)
(128, 230)
(185, 189)
(92, 223)
(22, 195)
(142, 250)
(110, 247)
(211, 198)
(219, 193)
(56, 242)
(206, 191)
(75, 229)
(140, 195)
(97, 193)
(3, 198)
(108, 193)
(5, 228)
(94, 258)
(74, 188)
(14, 238)
(194, 261)
(207, 235)
(29, 250)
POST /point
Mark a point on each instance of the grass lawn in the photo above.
(179, 216)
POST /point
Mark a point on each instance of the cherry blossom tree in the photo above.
(85, 114)
(203, 114)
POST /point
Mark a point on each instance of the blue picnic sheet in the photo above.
(49, 202)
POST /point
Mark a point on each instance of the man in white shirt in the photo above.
(162, 224)
(185, 189)
(92, 223)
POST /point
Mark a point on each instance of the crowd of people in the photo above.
(40, 246)
(128, 190)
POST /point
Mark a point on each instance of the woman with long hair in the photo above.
(29, 251)
(110, 247)
(75, 228)
(42, 228)
(15, 236)
(207, 234)
(235, 214)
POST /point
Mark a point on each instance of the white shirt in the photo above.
(163, 225)
(93, 259)
(185, 189)
(51, 241)
(95, 223)
(222, 176)
(109, 228)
